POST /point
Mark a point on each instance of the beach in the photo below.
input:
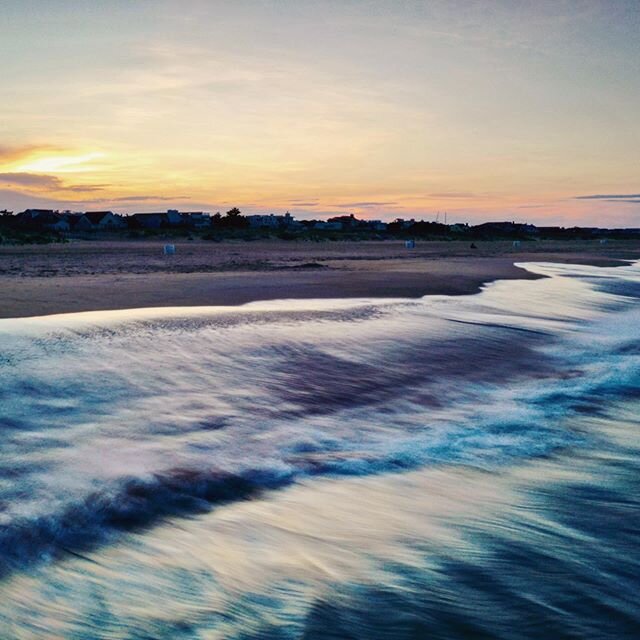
(101, 275)
(320, 320)
(439, 467)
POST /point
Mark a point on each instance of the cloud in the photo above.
(45, 182)
(147, 198)
(16, 200)
(38, 180)
(86, 187)
(350, 205)
(453, 194)
(611, 197)
(304, 203)
(626, 200)
(11, 154)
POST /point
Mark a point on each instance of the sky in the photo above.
(488, 110)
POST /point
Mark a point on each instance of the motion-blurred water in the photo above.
(442, 468)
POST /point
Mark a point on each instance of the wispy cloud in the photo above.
(84, 188)
(38, 180)
(452, 194)
(304, 203)
(611, 197)
(127, 200)
(147, 198)
(9, 154)
(351, 205)
(45, 182)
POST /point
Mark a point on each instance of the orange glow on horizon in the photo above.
(483, 118)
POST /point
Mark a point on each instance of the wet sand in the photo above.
(98, 275)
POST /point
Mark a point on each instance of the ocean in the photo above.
(446, 467)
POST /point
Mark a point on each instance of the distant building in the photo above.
(271, 221)
(328, 226)
(149, 220)
(31, 215)
(348, 221)
(404, 224)
(171, 218)
(43, 219)
(196, 219)
(174, 218)
(99, 221)
(58, 223)
(263, 221)
(506, 228)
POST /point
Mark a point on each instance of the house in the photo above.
(175, 218)
(99, 221)
(171, 218)
(196, 219)
(43, 219)
(72, 218)
(346, 222)
(57, 222)
(401, 223)
(263, 221)
(271, 221)
(29, 216)
(505, 229)
(149, 220)
(327, 226)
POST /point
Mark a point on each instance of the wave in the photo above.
(115, 423)
(131, 504)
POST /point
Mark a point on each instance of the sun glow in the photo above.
(60, 164)
(403, 111)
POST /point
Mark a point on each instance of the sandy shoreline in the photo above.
(86, 276)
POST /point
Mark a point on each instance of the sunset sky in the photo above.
(488, 110)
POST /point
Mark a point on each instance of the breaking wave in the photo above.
(120, 424)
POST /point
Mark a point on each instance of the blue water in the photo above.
(439, 468)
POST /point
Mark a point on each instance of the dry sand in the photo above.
(98, 275)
